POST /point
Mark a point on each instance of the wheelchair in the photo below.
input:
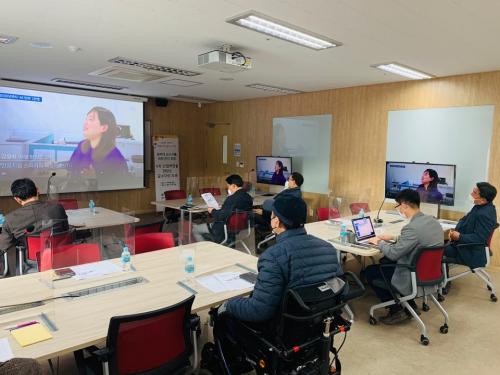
(297, 342)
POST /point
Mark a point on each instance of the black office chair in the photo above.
(298, 341)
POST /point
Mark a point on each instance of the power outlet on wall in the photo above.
(311, 212)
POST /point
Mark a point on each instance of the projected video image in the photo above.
(273, 170)
(435, 183)
(91, 143)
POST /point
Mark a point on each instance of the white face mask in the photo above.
(229, 192)
(402, 214)
(286, 184)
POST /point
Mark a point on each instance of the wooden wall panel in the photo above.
(359, 136)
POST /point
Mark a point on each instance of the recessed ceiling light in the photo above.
(402, 70)
(279, 29)
(275, 89)
(7, 39)
(40, 45)
(180, 82)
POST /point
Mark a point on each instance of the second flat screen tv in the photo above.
(273, 170)
(435, 183)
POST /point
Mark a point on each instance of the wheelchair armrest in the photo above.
(358, 291)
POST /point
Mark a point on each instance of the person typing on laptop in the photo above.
(421, 231)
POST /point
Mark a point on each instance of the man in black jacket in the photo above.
(237, 200)
(474, 228)
(33, 216)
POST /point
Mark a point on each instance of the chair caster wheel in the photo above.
(424, 340)
(489, 287)
(440, 298)
(425, 307)
(493, 298)
(373, 321)
(444, 329)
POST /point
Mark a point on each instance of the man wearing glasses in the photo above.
(421, 231)
(474, 228)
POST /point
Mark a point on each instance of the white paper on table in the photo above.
(5, 350)
(447, 226)
(224, 282)
(232, 280)
(87, 271)
(210, 200)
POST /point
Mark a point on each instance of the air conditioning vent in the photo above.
(152, 67)
(132, 75)
(192, 99)
(87, 84)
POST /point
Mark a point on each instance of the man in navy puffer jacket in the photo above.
(297, 259)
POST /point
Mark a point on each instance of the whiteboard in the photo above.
(460, 136)
(307, 140)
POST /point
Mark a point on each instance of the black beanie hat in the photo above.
(291, 211)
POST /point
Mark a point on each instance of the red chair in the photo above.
(356, 207)
(325, 213)
(153, 241)
(68, 203)
(426, 275)
(155, 342)
(479, 271)
(214, 191)
(174, 194)
(68, 255)
(149, 228)
(238, 222)
(36, 242)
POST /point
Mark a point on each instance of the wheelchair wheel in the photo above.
(373, 321)
(444, 329)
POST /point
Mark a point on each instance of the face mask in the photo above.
(229, 192)
(402, 214)
(286, 184)
(470, 198)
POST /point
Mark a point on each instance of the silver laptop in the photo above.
(363, 230)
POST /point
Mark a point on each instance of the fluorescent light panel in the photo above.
(180, 82)
(402, 70)
(276, 89)
(279, 29)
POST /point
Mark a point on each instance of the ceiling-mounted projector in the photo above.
(225, 61)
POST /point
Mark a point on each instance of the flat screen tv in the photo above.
(92, 141)
(435, 183)
(273, 170)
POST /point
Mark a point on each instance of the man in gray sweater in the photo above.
(421, 231)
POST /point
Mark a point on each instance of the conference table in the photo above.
(329, 230)
(83, 321)
(199, 206)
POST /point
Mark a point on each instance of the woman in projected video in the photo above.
(278, 177)
(97, 156)
(428, 190)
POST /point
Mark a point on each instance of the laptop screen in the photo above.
(363, 228)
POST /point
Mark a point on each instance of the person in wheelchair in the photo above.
(296, 261)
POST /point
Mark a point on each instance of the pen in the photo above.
(21, 325)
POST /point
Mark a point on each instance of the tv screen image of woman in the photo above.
(428, 189)
(278, 177)
(97, 157)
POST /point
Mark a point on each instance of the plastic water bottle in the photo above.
(361, 213)
(189, 266)
(125, 258)
(343, 234)
(189, 201)
(92, 207)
